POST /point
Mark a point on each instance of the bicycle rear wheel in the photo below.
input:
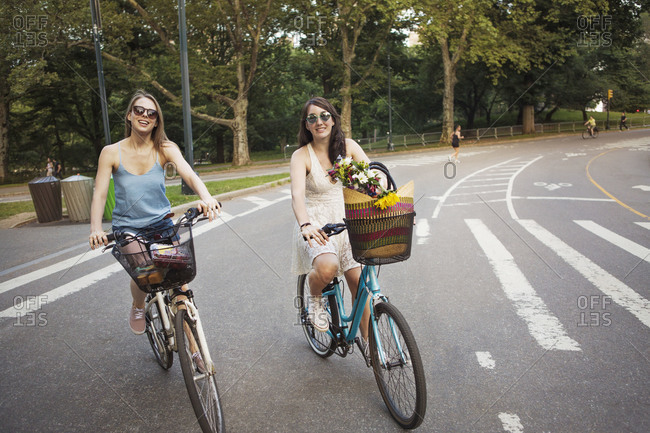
(401, 378)
(157, 336)
(201, 385)
(595, 133)
(320, 342)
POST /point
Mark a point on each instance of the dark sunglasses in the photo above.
(324, 116)
(140, 111)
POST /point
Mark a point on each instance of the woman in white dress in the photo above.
(318, 200)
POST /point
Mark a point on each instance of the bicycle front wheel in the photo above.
(158, 336)
(199, 378)
(585, 134)
(398, 367)
(595, 133)
(321, 342)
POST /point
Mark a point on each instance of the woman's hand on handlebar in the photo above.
(97, 238)
(210, 208)
(313, 234)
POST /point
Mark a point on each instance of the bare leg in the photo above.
(352, 278)
(138, 295)
(456, 154)
(323, 271)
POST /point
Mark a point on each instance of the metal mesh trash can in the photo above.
(46, 196)
(78, 193)
(110, 201)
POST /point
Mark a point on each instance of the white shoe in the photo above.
(317, 314)
(458, 161)
(449, 158)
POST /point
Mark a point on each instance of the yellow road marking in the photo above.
(607, 193)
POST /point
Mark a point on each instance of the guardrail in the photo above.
(483, 133)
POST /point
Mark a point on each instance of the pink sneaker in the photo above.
(137, 321)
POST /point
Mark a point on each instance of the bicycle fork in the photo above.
(193, 314)
(164, 317)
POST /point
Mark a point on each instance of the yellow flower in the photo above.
(387, 201)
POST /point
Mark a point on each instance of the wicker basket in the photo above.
(380, 241)
(380, 236)
(164, 264)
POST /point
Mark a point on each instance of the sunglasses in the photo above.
(140, 111)
(324, 117)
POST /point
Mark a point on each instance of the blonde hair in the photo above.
(158, 133)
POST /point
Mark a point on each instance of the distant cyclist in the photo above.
(591, 124)
(623, 123)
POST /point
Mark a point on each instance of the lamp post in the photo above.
(185, 85)
(390, 109)
(97, 36)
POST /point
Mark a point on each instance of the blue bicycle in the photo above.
(393, 355)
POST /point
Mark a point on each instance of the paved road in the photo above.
(527, 291)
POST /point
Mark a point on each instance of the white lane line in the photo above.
(42, 259)
(84, 282)
(422, 230)
(256, 200)
(631, 247)
(542, 324)
(511, 208)
(49, 270)
(514, 197)
(645, 225)
(485, 360)
(444, 197)
(483, 186)
(60, 292)
(620, 293)
(480, 179)
(511, 422)
(478, 192)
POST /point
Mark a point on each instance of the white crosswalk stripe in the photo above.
(542, 324)
(631, 247)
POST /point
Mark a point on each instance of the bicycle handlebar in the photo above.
(332, 229)
(189, 215)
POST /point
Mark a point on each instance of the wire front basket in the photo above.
(380, 241)
(158, 262)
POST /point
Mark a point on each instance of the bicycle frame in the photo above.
(368, 286)
(167, 316)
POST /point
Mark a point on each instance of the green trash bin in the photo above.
(78, 193)
(110, 201)
(46, 195)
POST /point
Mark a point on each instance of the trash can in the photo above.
(110, 201)
(78, 193)
(46, 196)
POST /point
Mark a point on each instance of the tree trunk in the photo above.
(346, 89)
(549, 115)
(448, 101)
(4, 128)
(239, 126)
(528, 119)
(240, 154)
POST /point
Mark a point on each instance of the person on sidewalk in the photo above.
(455, 143)
(623, 123)
(49, 167)
(317, 200)
(136, 164)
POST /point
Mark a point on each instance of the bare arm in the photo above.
(355, 151)
(298, 172)
(102, 181)
(172, 154)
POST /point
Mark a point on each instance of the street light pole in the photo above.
(185, 84)
(97, 36)
(390, 109)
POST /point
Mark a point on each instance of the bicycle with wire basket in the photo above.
(160, 268)
(393, 352)
(590, 134)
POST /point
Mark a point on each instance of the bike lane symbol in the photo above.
(552, 186)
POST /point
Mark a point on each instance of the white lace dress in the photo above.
(324, 202)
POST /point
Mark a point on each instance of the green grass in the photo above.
(13, 208)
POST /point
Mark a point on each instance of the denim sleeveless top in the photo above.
(140, 200)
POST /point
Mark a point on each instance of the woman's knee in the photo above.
(326, 267)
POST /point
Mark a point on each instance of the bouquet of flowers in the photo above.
(357, 176)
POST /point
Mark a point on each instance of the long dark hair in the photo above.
(158, 133)
(337, 138)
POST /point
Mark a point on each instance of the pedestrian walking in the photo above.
(623, 123)
(49, 167)
(455, 143)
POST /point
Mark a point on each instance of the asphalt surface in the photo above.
(527, 292)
